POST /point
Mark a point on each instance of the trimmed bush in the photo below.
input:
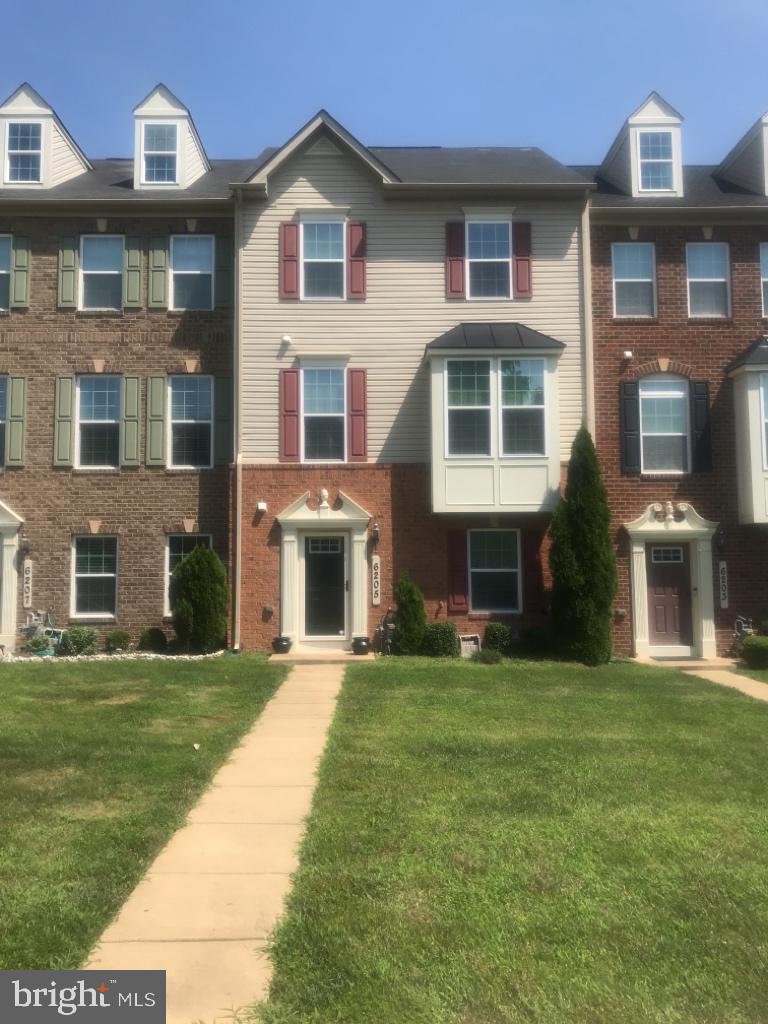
(117, 640)
(411, 619)
(498, 637)
(38, 644)
(153, 639)
(441, 640)
(755, 651)
(582, 560)
(200, 600)
(77, 640)
(488, 656)
(763, 628)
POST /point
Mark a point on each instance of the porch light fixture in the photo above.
(24, 543)
(375, 534)
(261, 506)
(627, 354)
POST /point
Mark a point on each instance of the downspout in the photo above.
(586, 291)
(236, 511)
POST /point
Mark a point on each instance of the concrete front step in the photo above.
(307, 656)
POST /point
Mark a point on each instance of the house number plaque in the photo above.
(722, 581)
(375, 580)
(26, 582)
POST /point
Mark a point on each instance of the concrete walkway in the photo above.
(726, 677)
(205, 908)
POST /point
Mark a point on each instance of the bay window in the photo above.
(522, 407)
(469, 407)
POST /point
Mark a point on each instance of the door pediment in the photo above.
(343, 513)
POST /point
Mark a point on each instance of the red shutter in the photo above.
(289, 260)
(289, 416)
(357, 416)
(454, 259)
(458, 583)
(356, 257)
(521, 259)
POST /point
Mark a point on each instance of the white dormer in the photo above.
(646, 158)
(168, 152)
(747, 163)
(37, 150)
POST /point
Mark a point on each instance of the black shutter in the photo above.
(701, 433)
(629, 398)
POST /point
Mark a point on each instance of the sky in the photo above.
(556, 74)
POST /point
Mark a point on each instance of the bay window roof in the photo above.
(503, 336)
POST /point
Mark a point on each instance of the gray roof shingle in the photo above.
(476, 166)
(701, 188)
(755, 354)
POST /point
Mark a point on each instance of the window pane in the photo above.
(493, 549)
(633, 260)
(5, 254)
(96, 555)
(664, 415)
(494, 591)
(160, 138)
(192, 291)
(24, 167)
(24, 136)
(523, 431)
(708, 260)
(324, 280)
(469, 382)
(96, 595)
(324, 390)
(102, 291)
(656, 145)
(488, 241)
(656, 176)
(522, 382)
(764, 259)
(3, 398)
(634, 298)
(180, 545)
(5, 291)
(103, 254)
(191, 444)
(99, 398)
(765, 295)
(469, 432)
(323, 241)
(190, 398)
(489, 280)
(323, 438)
(665, 454)
(191, 252)
(99, 444)
(709, 298)
(160, 168)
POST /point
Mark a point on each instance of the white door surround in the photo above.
(674, 523)
(345, 517)
(10, 524)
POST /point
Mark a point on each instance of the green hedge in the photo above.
(77, 640)
(498, 637)
(440, 640)
(755, 651)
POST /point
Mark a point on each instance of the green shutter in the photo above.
(20, 273)
(14, 429)
(68, 273)
(129, 422)
(132, 275)
(224, 263)
(155, 441)
(222, 411)
(158, 272)
(63, 414)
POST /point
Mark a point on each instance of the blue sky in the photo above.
(560, 75)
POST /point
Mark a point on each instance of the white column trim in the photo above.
(289, 583)
(359, 583)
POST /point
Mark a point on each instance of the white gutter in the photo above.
(237, 426)
(586, 293)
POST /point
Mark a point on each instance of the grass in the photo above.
(532, 842)
(98, 768)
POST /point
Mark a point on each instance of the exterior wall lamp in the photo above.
(375, 534)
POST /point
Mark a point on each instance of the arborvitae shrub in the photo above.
(582, 560)
(411, 618)
(498, 637)
(441, 640)
(200, 600)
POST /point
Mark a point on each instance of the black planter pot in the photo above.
(361, 645)
(281, 644)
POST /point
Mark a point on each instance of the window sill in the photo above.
(664, 476)
(86, 470)
(635, 321)
(720, 320)
(487, 616)
(92, 618)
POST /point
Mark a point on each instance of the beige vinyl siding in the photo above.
(194, 164)
(405, 309)
(65, 163)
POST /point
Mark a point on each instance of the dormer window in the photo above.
(657, 172)
(160, 154)
(25, 151)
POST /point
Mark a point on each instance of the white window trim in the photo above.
(93, 616)
(169, 431)
(685, 386)
(325, 365)
(4, 378)
(764, 417)
(9, 272)
(651, 160)
(677, 549)
(107, 273)
(154, 152)
(502, 407)
(689, 279)
(7, 168)
(172, 276)
(450, 408)
(167, 563)
(319, 219)
(467, 261)
(496, 611)
(763, 277)
(97, 469)
(640, 280)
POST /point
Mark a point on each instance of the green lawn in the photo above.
(532, 842)
(98, 768)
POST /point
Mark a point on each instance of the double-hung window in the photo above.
(494, 570)
(192, 271)
(191, 426)
(3, 416)
(764, 415)
(323, 413)
(25, 151)
(763, 276)
(664, 424)
(94, 583)
(708, 279)
(98, 422)
(469, 406)
(160, 154)
(178, 546)
(5, 271)
(522, 407)
(657, 172)
(489, 259)
(101, 271)
(634, 279)
(322, 247)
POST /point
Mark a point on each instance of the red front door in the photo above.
(669, 595)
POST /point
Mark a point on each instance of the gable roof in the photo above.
(182, 110)
(35, 95)
(655, 99)
(755, 354)
(507, 336)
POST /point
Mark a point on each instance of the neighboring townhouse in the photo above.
(680, 300)
(116, 341)
(413, 365)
